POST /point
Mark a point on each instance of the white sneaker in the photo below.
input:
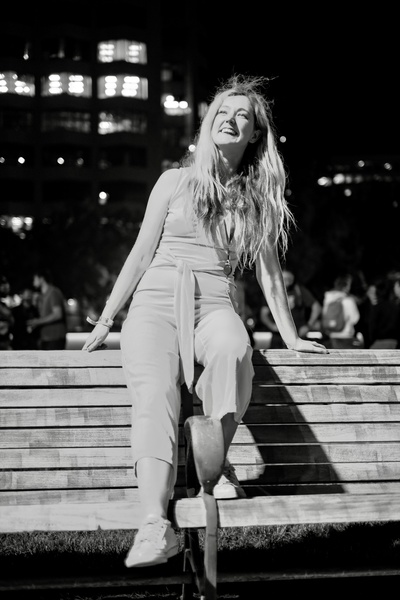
(228, 486)
(155, 542)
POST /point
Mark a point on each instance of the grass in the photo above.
(271, 549)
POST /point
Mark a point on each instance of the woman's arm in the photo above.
(269, 277)
(140, 256)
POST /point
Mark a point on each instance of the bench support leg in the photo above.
(210, 547)
(205, 443)
(192, 561)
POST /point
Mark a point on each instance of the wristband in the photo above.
(101, 321)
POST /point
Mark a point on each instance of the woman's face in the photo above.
(233, 126)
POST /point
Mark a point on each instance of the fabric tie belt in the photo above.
(184, 308)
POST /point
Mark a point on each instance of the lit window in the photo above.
(324, 181)
(174, 107)
(126, 50)
(18, 224)
(129, 86)
(67, 83)
(14, 83)
(114, 122)
(66, 121)
(339, 178)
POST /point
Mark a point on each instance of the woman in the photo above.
(340, 313)
(224, 208)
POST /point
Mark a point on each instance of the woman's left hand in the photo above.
(96, 338)
(309, 346)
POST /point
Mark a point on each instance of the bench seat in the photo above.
(320, 443)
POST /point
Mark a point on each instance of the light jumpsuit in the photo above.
(184, 310)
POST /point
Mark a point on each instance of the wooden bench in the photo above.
(320, 443)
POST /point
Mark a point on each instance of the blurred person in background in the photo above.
(305, 309)
(362, 291)
(384, 314)
(24, 336)
(6, 316)
(51, 322)
(396, 290)
(340, 294)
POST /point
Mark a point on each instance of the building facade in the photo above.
(96, 99)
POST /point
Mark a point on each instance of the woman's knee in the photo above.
(227, 334)
(230, 345)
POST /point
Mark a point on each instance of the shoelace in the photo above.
(151, 531)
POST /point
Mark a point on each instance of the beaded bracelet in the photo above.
(102, 321)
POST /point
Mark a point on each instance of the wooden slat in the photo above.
(246, 434)
(100, 495)
(62, 438)
(112, 358)
(115, 415)
(334, 358)
(239, 454)
(323, 374)
(306, 394)
(322, 413)
(330, 472)
(60, 358)
(258, 511)
(307, 488)
(66, 458)
(70, 496)
(271, 394)
(287, 510)
(80, 397)
(318, 432)
(76, 517)
(312, 453)
(107, 416)
(284, 374)
(261, 473)
(67, 478)
(64, 377)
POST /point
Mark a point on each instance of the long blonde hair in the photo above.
(255, 194)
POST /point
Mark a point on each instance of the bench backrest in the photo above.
(316, 424)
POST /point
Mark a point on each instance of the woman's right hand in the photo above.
(96, 338)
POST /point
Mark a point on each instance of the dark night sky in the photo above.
(335, 75)
(336, 93)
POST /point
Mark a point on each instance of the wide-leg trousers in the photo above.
(152, 364)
